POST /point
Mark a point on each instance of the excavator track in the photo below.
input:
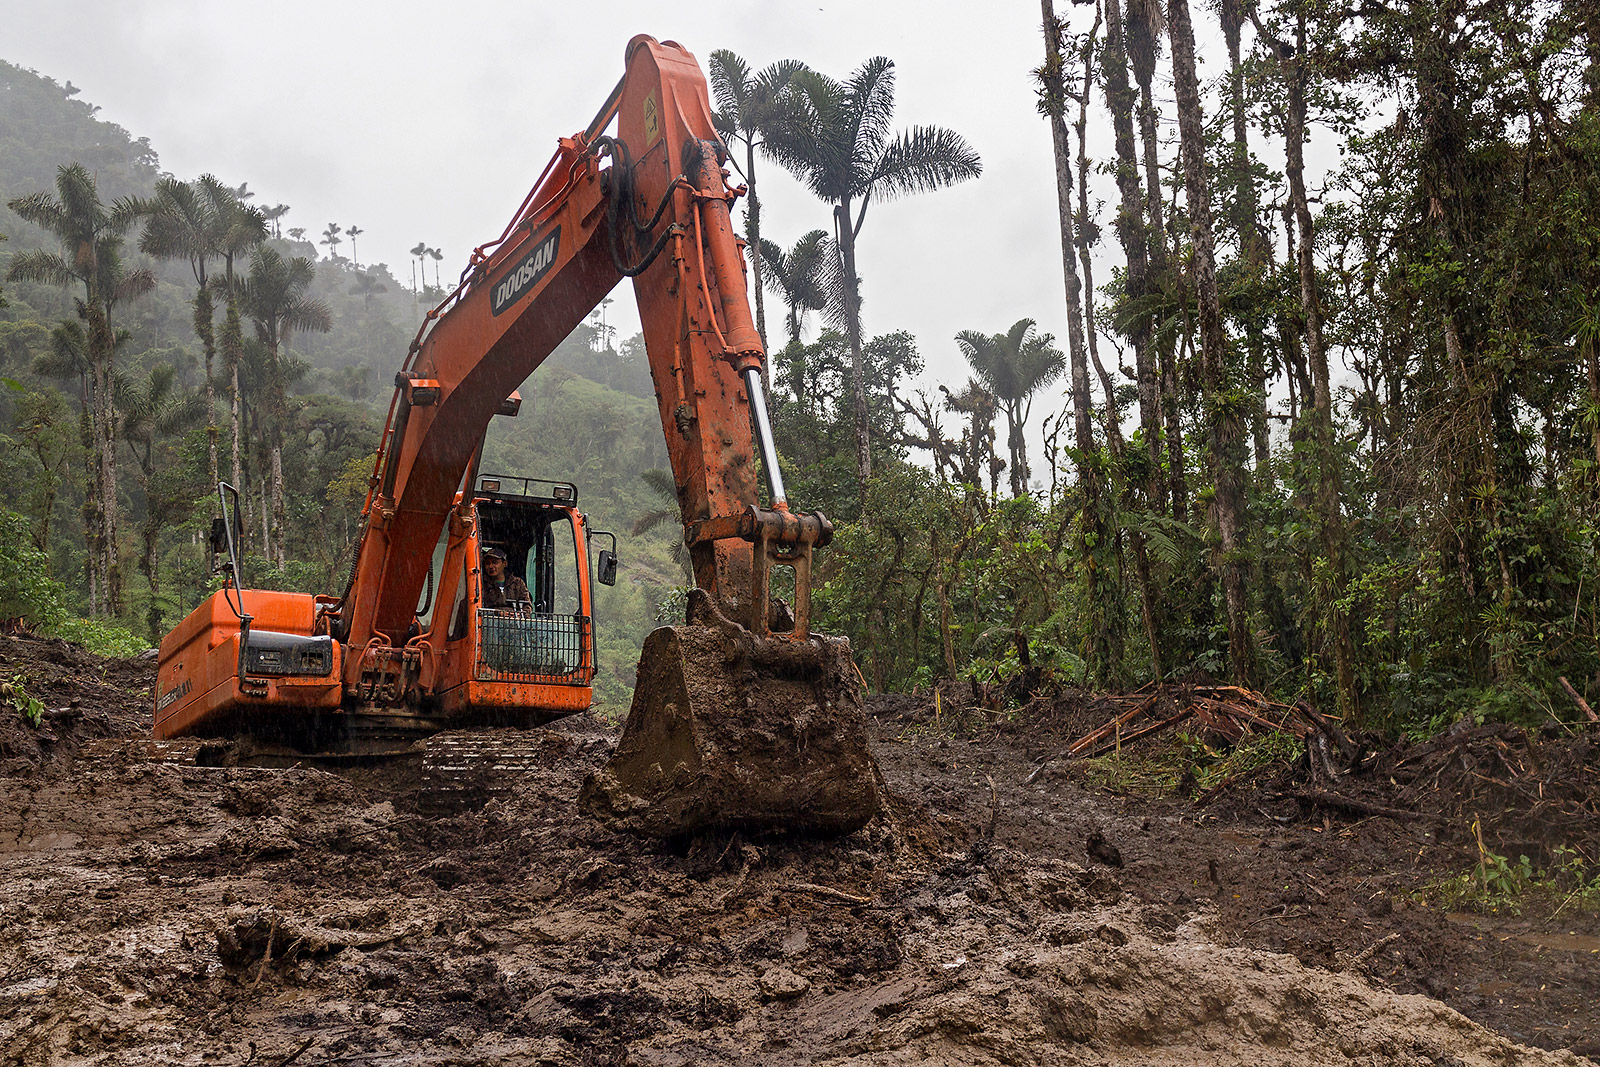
(466, 769)
(458, 770)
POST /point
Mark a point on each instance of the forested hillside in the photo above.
(321, 397)
(1338, 441)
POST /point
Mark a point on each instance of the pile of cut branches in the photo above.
(1226, 712)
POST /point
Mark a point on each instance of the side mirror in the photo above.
(606, 568)
(219, 536)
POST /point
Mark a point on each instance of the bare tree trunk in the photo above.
(1133, 237)
(151, 535)
(1176, 482)
(1131, 233)
(858, 375)
(92, 556)
(1104, 614)
(279, 511)
(233, 354)
(204, 312)
(1334, 544)
(1252, 247)
(1017, 447)
(1225, 431)
(102, 345)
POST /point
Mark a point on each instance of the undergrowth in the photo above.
(15, 692)
(1499, 884)
(1191, 768)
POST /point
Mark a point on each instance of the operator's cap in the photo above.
(495, 553)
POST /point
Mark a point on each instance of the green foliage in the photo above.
(101, 638)
(1208, 767)
(27, 592)
(1499, 884)
(15, 692)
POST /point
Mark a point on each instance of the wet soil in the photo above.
(157, 911)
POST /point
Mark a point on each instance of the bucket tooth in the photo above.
(731, 731)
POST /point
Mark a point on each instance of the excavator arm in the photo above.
(732, 724)
(651, 203)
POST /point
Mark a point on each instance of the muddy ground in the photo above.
(157, 911)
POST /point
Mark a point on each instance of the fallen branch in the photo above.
(1373, 949)
(1338, 802)
(826, 891)
(1583, 705)
(1145, 731)
(291, 1057)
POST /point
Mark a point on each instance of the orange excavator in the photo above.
(743, 717)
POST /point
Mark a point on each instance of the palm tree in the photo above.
(435, 255)
(67, 359)
(242, 228)
(274, 216)
(185, 225)
(153, 411)
(330, 237)
(366, 287)
(417, 261)
(275, 296)
(352, 232)
(90, 235)
(746, 106)
(836, 137)
(1013, 366)
(800, 275)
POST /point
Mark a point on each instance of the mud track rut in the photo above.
(152, 911)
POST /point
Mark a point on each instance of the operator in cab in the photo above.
(499, 589)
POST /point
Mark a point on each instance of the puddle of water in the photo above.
(1564, 942)
(1567, 942)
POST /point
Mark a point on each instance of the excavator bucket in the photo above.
(729, 730)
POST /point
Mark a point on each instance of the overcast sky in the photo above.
(428, 122)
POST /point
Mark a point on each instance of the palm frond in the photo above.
(68, 354)
(134, 283)
(870, 90)
(729, 76)
(41, 209)
(46, 268)
(922, 159)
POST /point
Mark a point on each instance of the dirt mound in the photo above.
(164, 912)
(83, 696)
(1527, 793)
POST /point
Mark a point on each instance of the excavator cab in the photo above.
(518, 646)
(536, 623)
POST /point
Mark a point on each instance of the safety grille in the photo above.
(520, 646)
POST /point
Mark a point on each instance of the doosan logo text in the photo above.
(517, 282)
